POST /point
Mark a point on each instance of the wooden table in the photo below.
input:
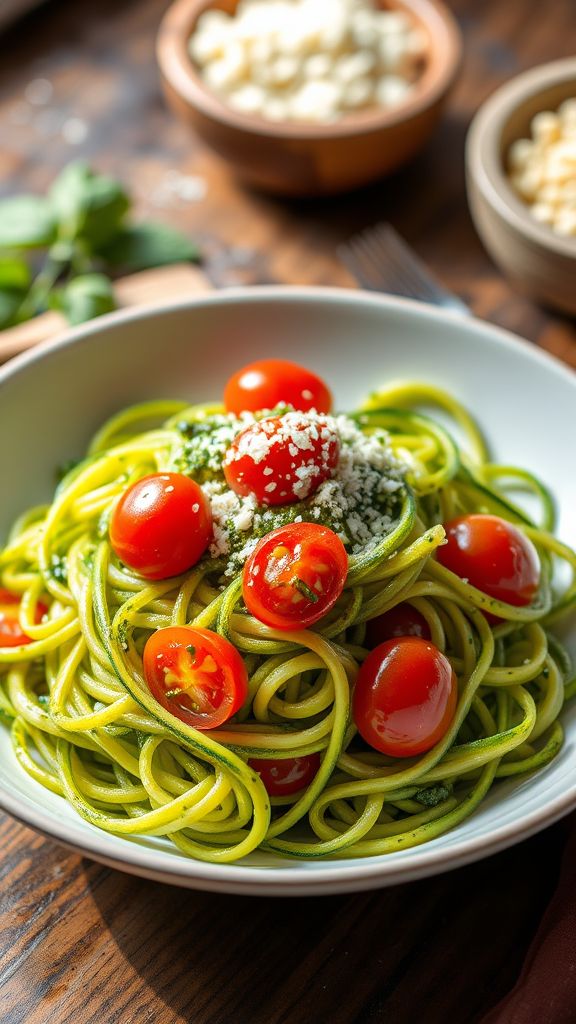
(86, 944)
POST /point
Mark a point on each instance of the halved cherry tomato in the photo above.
(162, 525)
(402, 620)
(282, 459)
(494, 556)
(196, 674)
(10, 630)
(294, 575)
(405, 697)
(271, 382)
(285, 776)
(11, 634)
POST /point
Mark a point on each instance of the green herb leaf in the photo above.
(81, 223)
(88, 206)
(10, 302)
(15, 278)
(14, 273)
(26, 222)
(140, 246)
(84, 298)
(434, 795)
(305, 590)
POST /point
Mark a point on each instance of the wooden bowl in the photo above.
(541, 262)
(304, 159)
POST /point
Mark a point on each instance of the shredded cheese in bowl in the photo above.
(542, 168)
(308, 60)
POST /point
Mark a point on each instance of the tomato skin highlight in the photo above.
(401, 620)
(294, 575)
(161, 525)
(405, 697)
(263, 459)
(286, 776)
(195, 674)
(11, 634)
(270, 382)
(494, 556)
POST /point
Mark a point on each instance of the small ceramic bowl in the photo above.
(541, 262)
(305, 159)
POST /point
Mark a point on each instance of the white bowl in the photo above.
(52, 401)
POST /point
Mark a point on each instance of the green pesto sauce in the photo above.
(201, 454)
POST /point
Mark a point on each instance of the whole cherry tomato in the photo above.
(402, 620)
(11, 634)
(271, 382)
(494, 556)
(285, 776)
(282, 459)
(405, 697)
(294, 575)
(196, 674)
(162, 525)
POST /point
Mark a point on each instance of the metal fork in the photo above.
(381, 261)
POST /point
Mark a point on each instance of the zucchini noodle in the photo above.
(85, 725)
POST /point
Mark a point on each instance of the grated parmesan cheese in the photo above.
(360, 501)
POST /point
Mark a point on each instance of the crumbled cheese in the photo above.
(245, 517)
(360, 501)
(244, 553)
(308, 60)
(298, 434)
(295, 430)
(219, 545)
(542, 168)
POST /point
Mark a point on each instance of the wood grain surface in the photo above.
(81, 943)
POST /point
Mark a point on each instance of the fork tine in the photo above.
(382, 261)
(404, 257)
(391, 270)
(352, 257)
(382, 273)
(375, 267)
(408, 271)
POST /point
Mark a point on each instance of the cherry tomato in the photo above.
(494, 556)
(285, 776)
(272, 382)
(11, 634)
(282, 459)
(162, 525)
(402, 620)
(405, 697)
(196, 674)
(294, 575)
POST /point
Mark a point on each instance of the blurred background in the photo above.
(81, 81)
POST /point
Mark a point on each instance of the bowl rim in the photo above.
(364, 873)
(483, 159)
(179, 72)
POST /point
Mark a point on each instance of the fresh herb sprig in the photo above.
(83, 235)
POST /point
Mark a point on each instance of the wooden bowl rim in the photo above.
(180, 73)
(483, 151)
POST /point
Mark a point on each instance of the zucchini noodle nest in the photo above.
(85, 725)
